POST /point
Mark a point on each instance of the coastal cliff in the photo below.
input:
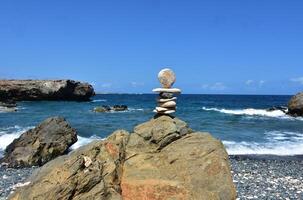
(162, 159)
(31, 90)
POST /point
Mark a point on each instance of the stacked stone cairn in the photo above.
(166, 100)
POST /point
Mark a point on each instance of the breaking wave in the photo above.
(83, 141)
(254, 112)
(277, 143)
(99, 100)
(7, 135)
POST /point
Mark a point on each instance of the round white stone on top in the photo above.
(167, 77)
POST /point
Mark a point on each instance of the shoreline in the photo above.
(260, 157)
(255, 177)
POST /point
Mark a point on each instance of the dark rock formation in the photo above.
(30, 90)
(106, 108)
(8, 106)
(39, 145)
(281, 108)
(295, 105)
(102, 109)
(119, 108)
(162, 159)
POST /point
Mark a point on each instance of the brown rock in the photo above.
(295, 105)
(37, 146)
(162, 159)
(67, 177)
(165, 161)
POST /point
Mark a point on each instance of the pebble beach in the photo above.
(254, 177)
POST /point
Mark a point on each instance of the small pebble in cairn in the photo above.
(166, 100)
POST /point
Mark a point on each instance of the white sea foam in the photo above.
(128, 110)
(277, 143)
(276, 148)
(254, 112)
(83, 141)
(99, 100)
(7, 135)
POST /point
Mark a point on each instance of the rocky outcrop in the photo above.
(37, 146)
(106, 108)
(91, 172)
(8, 106)
(31, 90)
(162, 159)
(295, 105)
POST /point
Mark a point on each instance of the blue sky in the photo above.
(242, 47)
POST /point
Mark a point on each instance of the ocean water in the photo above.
(240, 121)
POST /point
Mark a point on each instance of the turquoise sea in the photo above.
(240, 121)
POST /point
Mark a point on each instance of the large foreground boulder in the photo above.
(37, 146)
(295, 105)
(30, 90)
(161, 159)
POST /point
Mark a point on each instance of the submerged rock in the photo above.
(295, 105)
(8, 106)
(281, 108)
(119, 108)
(102, 109)
(30, 90)
(106, 108)
(161, 159)
(37, 146)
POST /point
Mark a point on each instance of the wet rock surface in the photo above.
(31, 90)
(161, 159)
(37, 146)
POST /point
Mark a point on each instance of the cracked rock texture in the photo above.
(37, 146)
(295, 105)
(162, 159)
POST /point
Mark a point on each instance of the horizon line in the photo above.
(138, 93)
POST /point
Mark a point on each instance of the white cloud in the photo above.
(261, 83)
(215, 86)
(106, 85)
(253, 83)
(137, 84)
(298, 80)
(249, 82)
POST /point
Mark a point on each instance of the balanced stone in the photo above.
(169, 111)
(167, 77)
(166, 100)
(165, 112)
(168, 90)
(165, 95)
(160, 109)
(168, 104)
